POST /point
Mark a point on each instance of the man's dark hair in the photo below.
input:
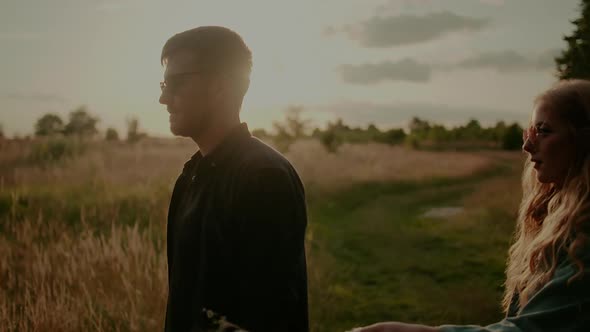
(218, 49)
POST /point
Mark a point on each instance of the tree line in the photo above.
(419, 134)
(82, 124)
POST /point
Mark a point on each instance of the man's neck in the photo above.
(212, 137)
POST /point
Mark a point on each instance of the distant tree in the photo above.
(337, 133)
(282, 138)
(438, 133)
(133, 132)
(297, 126)
(512, 139)
(393, 136)
(419, 127)
(472, 130)
(412, 141)
(293, 127)
(372, 133)
(81, 123)
(330, 140)
(339, 125)
(473, 125)
(574, 62)
(1, 131)
(498, 131)
(112, 134)
(316, 133)
(48, 125)
(371, 128)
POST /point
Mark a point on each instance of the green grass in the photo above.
(375, 258)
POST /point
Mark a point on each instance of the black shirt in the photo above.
(236, 229)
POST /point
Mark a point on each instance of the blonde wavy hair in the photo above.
(553, 221)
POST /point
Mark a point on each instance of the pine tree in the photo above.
(574, 62)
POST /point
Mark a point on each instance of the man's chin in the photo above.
(178, 131)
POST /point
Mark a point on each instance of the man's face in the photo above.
(185, 93)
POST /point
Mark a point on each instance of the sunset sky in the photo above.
(366, 61)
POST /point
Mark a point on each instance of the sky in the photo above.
(365, 61)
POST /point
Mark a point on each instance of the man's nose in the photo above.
(164, 98)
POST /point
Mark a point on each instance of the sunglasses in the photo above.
(531, 134)
(175, 81)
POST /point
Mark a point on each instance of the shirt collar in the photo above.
(224, 150)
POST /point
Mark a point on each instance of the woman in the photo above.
(548, 272)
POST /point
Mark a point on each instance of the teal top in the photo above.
(558, 306)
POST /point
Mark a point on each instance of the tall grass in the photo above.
(56, 280)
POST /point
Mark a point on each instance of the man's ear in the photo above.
(220, 89)
(216, 88)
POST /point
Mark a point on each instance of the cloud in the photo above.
(510, 61)
(35, 97)
(389, 31)
(413, 71)
(404, 70)
(399, 114)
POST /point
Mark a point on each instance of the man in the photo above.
(237, 217)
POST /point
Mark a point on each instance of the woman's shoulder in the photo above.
(573, 264)
(565, 294)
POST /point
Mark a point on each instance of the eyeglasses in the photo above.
(531, 134)
(172, 83)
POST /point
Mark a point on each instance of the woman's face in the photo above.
(549, 144)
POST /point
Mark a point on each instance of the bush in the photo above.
(133, 133)
(392, 136)
(412, 141)
(55, 149)
(330, 140)
(112, 134)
